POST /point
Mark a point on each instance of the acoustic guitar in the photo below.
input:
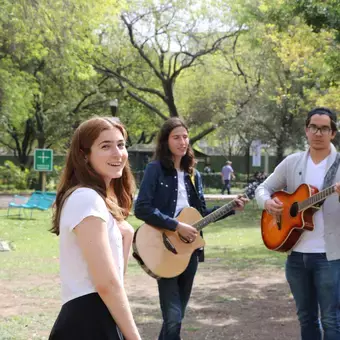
(164, 253)
(283, 232)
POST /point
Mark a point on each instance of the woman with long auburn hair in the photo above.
(171, 183)
(94, 197)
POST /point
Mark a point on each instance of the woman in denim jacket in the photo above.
(165, 190)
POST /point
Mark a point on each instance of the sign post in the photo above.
(43, 162)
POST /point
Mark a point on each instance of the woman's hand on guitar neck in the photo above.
(274, 206)
(187, 231)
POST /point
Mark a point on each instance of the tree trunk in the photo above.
(248, 161)
(23, 160)
(170, 100)
(23, 147)
(279, 150)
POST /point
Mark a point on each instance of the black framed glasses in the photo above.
(324, 130)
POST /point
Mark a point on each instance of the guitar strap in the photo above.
(330, 175)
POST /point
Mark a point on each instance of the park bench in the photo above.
(38, 200)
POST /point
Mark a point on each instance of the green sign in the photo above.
(43, 160)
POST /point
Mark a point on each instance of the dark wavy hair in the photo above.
(163, 153)
(323, 111)
(79, 173)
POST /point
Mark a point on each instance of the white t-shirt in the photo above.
(182, 196)
(75, 278)
(314, 241)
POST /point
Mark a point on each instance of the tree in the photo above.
(323, 19)
(219, 90)
(295, 77)
(47, 81)
(166, 40)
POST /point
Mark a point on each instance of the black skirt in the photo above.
(85, 318)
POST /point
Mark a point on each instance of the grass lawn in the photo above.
(231, 243)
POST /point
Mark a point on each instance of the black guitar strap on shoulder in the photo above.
(330, 175)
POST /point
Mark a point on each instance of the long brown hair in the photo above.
(163, 153)
(79, 173)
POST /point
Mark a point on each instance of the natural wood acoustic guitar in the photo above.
(165, 253)
(283, 232)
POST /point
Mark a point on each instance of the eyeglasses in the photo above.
(324, 130)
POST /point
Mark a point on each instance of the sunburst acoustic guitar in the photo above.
(164, 253)
(283, 232)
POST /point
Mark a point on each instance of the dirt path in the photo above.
(226, 305)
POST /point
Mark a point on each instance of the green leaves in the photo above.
(46, 74)
(217, 63)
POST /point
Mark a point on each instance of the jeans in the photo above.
(335, 267)
(174, 294)
(226, 186)
(310, 279)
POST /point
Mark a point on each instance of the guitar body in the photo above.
(151, 251)
(164, 253)
(281, 235)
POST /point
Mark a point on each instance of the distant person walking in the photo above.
(227, 174)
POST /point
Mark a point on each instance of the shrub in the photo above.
(12, 177)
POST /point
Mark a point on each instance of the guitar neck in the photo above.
(218, 213)
(317, 198)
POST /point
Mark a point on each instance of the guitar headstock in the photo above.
(250, 189)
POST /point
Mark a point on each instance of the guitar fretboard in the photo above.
(218, 213)
(314, 199)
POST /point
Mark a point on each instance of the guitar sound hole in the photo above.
(294, 209)
(168, 244)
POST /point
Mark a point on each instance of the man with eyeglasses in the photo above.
(313, 264)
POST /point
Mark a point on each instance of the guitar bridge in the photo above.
(168, 244)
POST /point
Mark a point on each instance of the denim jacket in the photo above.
(157, 198)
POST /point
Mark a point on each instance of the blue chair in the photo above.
(30, 203)
(38, 200)
(17, 202)
(50, 194)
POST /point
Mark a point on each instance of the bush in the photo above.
(13, 178)
(11, 175)
(53, 177)
(212, 180)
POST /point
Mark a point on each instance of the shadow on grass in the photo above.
(20, 218)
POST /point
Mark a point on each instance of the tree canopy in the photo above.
(234, 70)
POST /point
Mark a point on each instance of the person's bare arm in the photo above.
(127, 232)
(93, 240)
